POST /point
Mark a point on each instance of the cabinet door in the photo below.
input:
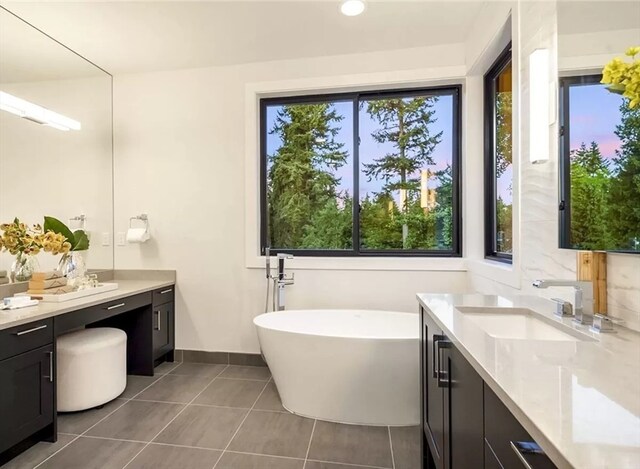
(163, 323)
(465, 417)
(26, 395)
(433, 398)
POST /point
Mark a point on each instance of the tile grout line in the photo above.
(81, 434)
(306, 457)
(172, 420)
(357, 466)
(242, 423)
(109, 414)
(393, 459)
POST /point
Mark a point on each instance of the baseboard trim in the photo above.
(223, 358)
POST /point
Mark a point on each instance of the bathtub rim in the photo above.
(342, 337)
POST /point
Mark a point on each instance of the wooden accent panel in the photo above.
(592, 266)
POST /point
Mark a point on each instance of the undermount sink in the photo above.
(519, 323)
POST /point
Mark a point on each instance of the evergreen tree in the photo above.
(590, 183)
(301, 176)
(404, 122)
(624, 201)
(504, 132)
(331, 227)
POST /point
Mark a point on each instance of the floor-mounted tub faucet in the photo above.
(582, 299)
(280, 280)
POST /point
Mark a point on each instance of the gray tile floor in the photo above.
(201, 416)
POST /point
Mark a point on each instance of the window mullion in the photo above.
(356, 176)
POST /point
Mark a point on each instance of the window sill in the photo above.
(454, 264)
(496, 271)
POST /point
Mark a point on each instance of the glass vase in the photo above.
(72, 265)
(23, 267)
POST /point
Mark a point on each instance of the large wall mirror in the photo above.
(600, 130)
(56, 161)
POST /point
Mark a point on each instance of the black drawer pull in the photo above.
(158, 321)
(29, 331)
(119, 305)
(532, 448)
(168, 290)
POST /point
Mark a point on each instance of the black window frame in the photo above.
(564, 158)
(490, 191)
(455, 91)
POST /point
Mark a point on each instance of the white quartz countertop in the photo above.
(580, 400)
(17, 317)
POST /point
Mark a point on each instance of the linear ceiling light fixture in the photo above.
(35, 113)
(352, 7)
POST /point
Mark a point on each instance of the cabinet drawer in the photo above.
(501, 429)
(164, 295)
(75, 319)
(20, 339)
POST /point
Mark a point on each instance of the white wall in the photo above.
(538, 255)
(45, 171)
(180, 156)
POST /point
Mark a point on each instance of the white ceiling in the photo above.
(129, 37)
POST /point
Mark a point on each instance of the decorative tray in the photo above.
(101, 288)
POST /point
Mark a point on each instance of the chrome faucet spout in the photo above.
(582, 294)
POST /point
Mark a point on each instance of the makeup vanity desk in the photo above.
(144, 309)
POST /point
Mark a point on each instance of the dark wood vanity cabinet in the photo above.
(433, 403)
(452, 403)
(465, 425)
(163, 325)
(26, 382)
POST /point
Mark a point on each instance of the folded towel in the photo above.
(52, 291)
(4, 280)
(45, 284)
(40, 276)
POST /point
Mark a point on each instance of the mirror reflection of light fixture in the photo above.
(352, 7)
(35, 113)
(539, 96)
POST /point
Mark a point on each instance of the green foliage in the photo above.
(623, 212)
(504, 215)
(504, 132)
(331, 226)
(78, 239)
(605, 198)
(301, 176)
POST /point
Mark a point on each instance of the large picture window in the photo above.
(599, 167)
(362, 173)
(498, 186)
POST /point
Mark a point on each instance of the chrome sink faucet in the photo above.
(582, 299)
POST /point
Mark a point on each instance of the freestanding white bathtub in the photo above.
(347, 366)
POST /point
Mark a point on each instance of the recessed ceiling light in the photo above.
(352, 7)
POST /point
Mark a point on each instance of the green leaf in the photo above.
(82, 241)
(55, 225)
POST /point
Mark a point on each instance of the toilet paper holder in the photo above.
(142, 217)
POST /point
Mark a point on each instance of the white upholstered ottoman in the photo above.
(92, 367)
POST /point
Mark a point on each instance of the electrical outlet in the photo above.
(121, 239)
(106, 238)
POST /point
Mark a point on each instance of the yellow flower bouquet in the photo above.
(25, 242)
(624, 77)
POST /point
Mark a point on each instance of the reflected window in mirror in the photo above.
(498, 181)
(599, 167)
